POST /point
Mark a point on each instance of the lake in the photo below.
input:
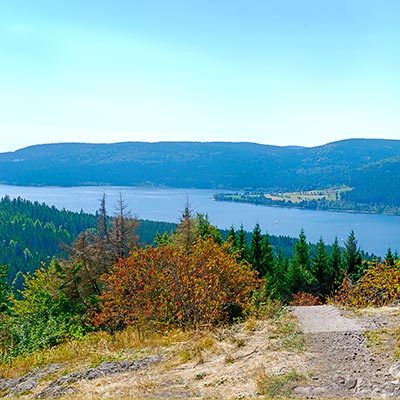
(375, 233)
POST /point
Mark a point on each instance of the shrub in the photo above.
(305, 299)
(172, 285)
(378, 286)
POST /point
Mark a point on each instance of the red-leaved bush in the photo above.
(171, 285)
(304, 299)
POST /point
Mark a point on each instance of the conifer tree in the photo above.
(185, 231)
(352, 257)
(320, 269)
(301, 252)
(241, 244)
(255, 251)
(204, 229)
(4, 288)
(267, 258)
(232, 236)
(389, 258)
(123, 234)
(299, 275)
(335, 265)
(277, 285)
(94, 253)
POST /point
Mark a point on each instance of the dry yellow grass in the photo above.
(223, 362)
(92, 350)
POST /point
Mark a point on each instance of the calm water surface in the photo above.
(375, 233)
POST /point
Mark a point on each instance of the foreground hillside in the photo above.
(320, 354)
(370, 167)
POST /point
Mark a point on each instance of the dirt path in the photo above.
(319, 319)
(347, 364)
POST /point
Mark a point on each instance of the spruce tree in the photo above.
(4, 288)
(276, 284)
(241, 244)
(299, 275)
(335, 265)
(352, 257)
(255, 251)
(389, 259)
(232, 236)
(267, 258)
(301, 252)
(185, 231)
(204, 228)
(320, 269)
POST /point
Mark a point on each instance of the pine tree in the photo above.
(276, 284)
(299, 275)
(320, 269)
(389, 259)
(123, 234)
(301, 252)
(352, 257)
(232, 236)
(185, 231)
(335, 265)
(267, 258)
(255, 251)
(241, 244)
(204, 229)
(94, 253)
(4, 288)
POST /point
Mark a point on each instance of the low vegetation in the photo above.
(192, 295)
(334, 199)
(332, 194)
(189, 279)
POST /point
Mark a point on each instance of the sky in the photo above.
(283, 72)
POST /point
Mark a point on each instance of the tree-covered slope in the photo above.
(369, 166)
(32, 233)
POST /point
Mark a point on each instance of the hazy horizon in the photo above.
(280, 73)
(189, 141)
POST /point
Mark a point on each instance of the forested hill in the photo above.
(32, 233)
(370, 166)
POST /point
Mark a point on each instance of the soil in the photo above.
(352, 353)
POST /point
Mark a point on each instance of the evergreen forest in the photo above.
(368, 167)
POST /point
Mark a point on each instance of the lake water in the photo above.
(375, 233)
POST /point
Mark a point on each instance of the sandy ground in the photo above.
(318, 319)
(235, 365)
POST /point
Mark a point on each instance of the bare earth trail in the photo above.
(347, 364)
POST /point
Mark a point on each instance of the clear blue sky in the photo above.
(284, 72)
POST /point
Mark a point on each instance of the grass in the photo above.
(286, 335)
(276, 385)
(92, 350)
(297, 197)
(210, 358)
(377, 340)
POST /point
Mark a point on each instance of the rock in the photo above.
(60, 387)
(350, 384)
(56, 391)
(304, 391)
(394, 369)
(26, 382)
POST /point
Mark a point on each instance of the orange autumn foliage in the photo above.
(305, 299)
(378, 286)
(171, 285)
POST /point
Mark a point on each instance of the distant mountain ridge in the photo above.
(370, 166)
